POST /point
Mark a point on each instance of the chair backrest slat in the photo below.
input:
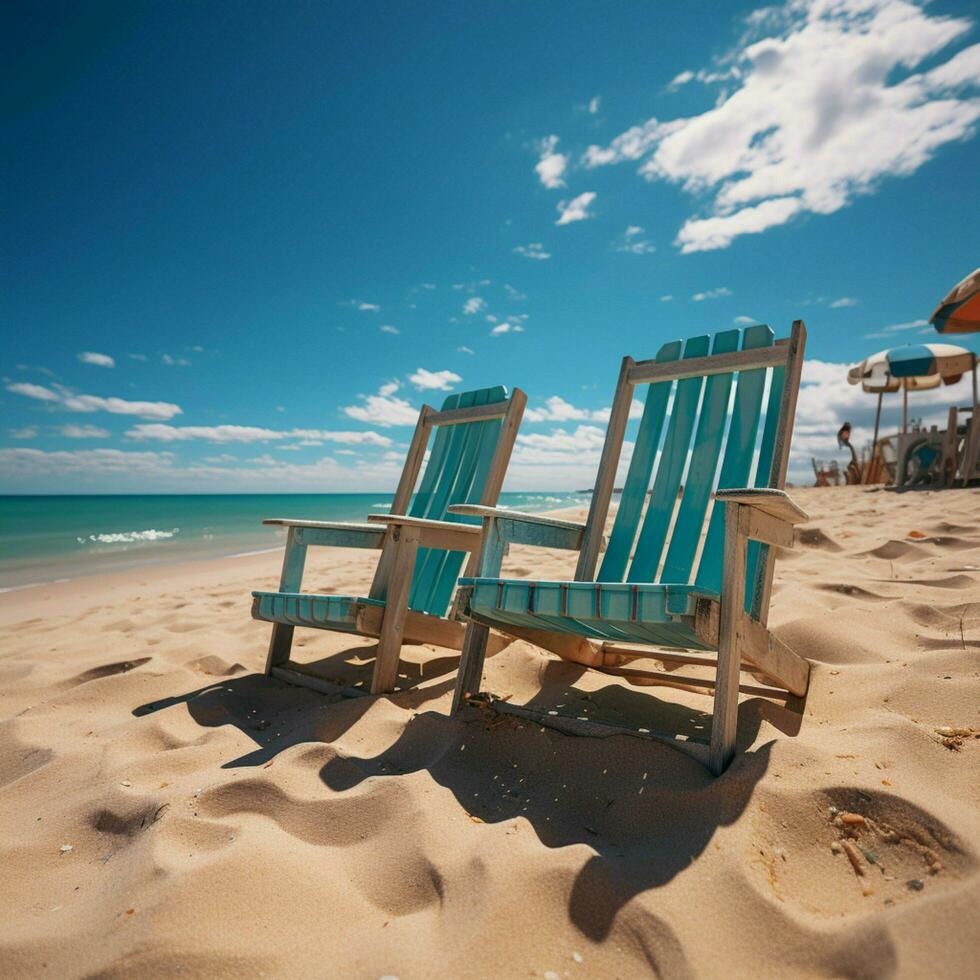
(702, 468)
(673, 458)
(637, 484)
(737, 464)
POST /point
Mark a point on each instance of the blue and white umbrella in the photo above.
(913, 367)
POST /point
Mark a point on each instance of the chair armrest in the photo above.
(520, 528)
(766, 515)
(434, 534)
(776, 503)
(337, 534)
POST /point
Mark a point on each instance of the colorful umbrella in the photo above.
(959, 312)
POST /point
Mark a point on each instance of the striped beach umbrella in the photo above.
(913, 367)
(959, 312)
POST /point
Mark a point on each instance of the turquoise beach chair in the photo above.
(678, 572)
(422, 546)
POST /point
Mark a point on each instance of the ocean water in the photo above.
(47, 539)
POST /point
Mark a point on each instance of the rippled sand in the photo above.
(164, 808)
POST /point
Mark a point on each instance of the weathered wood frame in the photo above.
(742, 639)
(398, 537)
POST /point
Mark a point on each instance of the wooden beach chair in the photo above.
(677, 571)
(422, 547)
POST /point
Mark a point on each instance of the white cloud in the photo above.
(844, 301)
(514, 294)
(534, 250)
(109, 470)
(632, 241)
(745, 321)
(706, 234)
(27, 432)
(666, 298)
(92, 357)
(465, 350)
(30, 462)
(175, 361)
(95, 403)
(551, 164)
(71, 431)
(434, 380)
(894, 328)
(383, 409)
(473, 305)
(594, 104)
(681, 79)
(577, 209)
(506, 327)
(584, 445)
(368, 307)
(388, 328)
(138, 357)
(716, 293)
(158, 432)
(822, 101)
(556, 409)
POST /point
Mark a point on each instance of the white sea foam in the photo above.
(129, 537)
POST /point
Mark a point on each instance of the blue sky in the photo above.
(243, 242)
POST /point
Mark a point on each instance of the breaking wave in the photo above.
(129, 537)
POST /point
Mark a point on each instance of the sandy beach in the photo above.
(165, 809)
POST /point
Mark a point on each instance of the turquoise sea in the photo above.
(47, 539)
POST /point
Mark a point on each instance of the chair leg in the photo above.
(396, 608)
(724, 720)
(293, 562)
(470, 664)
(279, 646)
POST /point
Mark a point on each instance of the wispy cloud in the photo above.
(577, 209)
(745, 321)
(388, 328)
(894, 328)
(716, 293)
(368, 307)
(158, 432)
(844, 301)
(465, 350)
(535, 250)
(820, 103)
(93, 357)
(71, 431)
(632, 241)
(507, 326)
(172, 361)
(551, 164)
(26, 432)
(434, 380)
(594, 104)
(64, 398)
(514, 294)
(474, 305)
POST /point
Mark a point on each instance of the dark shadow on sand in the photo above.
(644, 808)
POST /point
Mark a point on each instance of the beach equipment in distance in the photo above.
(915, 367)
(959, 311)
(422, 546)
(689, 561)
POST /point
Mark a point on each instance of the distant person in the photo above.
(853, 472)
